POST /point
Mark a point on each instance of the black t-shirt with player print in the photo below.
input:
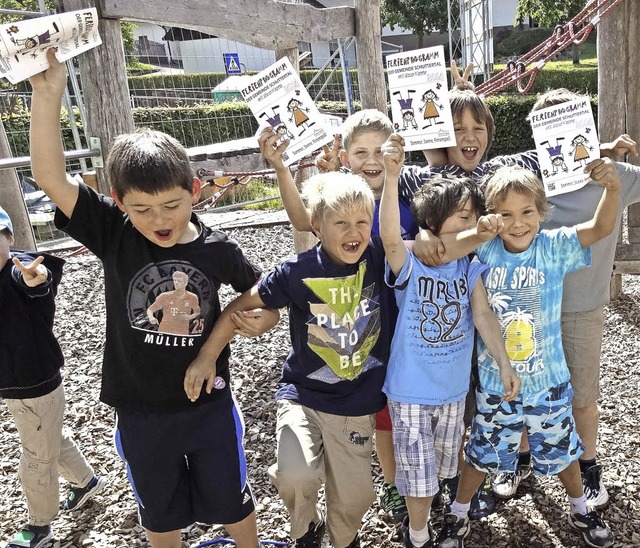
(161, 303)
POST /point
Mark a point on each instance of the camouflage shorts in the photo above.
(497, 429)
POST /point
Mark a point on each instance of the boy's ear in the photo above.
(117, 200)
(196, 189)
(344, 157)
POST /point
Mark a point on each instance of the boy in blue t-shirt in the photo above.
(430, 364)
(340, 315)
(525, 280)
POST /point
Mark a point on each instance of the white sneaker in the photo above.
(505, 485)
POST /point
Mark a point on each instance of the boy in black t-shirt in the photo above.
(31, 385)
(184, 453)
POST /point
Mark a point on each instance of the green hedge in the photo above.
(195, 126)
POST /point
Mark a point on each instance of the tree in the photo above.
(549, 13)
(420, 16)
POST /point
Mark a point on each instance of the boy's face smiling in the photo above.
(344, 235)
(163, 218)
(521, 220)
(463, 219)
(472, 139)
(364, 158)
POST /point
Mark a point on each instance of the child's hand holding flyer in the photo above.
(566, 141)
(23, 44)
(276, 96)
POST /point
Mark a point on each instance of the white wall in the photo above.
(504, 12)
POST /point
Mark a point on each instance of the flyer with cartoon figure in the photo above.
(277, 97)
(420, 108)
(566, 141)
(23, 44)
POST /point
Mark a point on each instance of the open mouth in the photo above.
(163, 235)
(469, 152)
(372, 173)
(351, 247)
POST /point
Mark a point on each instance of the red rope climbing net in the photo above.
(523, 71)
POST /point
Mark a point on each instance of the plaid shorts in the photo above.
(426, 439)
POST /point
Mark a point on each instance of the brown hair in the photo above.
(441, 196)
(462, 99)
(148, 161)
(519, 180)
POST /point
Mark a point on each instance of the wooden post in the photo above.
(373, 93)
(12, 201)
(104, 84)
(613, 91)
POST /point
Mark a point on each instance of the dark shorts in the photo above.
(186, 466)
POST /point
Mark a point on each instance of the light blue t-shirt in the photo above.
(525, 292)
(430, 361)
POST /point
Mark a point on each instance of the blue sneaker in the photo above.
(78, 496)
(483, 502)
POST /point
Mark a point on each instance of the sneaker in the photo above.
(32, 536)
(594, 489)
(483, 502)
(392, 503)
(447, 493)
(78, 496)
(454, 531)
(594, 531)
(505, 485)
(407, 536)
(313, 537)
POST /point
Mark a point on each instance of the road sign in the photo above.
(232, 63)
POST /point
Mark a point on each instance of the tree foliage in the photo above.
(420, 16)
(549, 13)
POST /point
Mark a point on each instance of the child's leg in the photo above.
(164, 540)
(384, 450)
(349, 484)
(572, 480)
(72, 464)
(39, 424)
(300, 464)
(244, 532)
(470, 479)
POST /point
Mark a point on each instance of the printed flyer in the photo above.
(23, 44)
(566, 141)
(277, 97)
(420, 108)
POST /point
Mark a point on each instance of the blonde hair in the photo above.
(365, 121)
(554, 97)
(516, 179)
(337, 192)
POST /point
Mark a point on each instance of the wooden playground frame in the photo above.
(279, 26)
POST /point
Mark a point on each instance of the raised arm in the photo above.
(390, 230)
(603, 172)
(203, 367)
(458, 245)
(272, 147)
(489, 329)
(47, 153)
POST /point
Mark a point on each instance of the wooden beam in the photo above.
(104, 83)
(266, 23)
(373, 93)
(12, 201)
